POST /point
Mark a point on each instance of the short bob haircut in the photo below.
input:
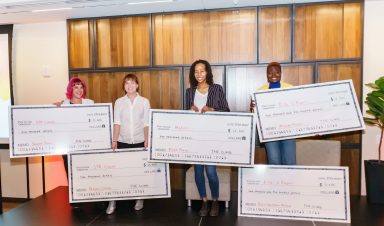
(192, 80)
(132, 77)
(273, 64)
(72, 82)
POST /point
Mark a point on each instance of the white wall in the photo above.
(373, 67)
(36, 48)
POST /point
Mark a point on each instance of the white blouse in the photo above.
(132, 118)
(200, 100)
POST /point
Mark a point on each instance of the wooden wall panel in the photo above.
(168, 45)
(177, 176)
(79, 44)
(199, 31)
(352, 36)
(328, 31)
(345, 138)
(318, 31)
(351, 158)
(220, 36)
(298, 75)
(305, 33)
(123, 42)
(261, 155)
(242, 82)
(329, 25)
(238, 35)
(170, 89)
(275, 34)
(161, 87)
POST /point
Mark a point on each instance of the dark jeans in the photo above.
(281, 152)
(213, 180)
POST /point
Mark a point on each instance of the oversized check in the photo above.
(50, 130)
(211, 138)
(308, 110)
(116, 175)
(295, 192)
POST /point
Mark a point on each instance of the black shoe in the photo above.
(214, 209)
(204, 209)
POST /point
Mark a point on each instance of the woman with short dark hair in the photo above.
(280, 152)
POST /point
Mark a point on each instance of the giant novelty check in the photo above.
(116, 175)
(308, 110)
(50, 130)
(212, 138)
(294, 192)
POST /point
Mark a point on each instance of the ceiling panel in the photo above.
(21, 11)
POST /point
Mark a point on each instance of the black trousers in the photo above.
(65, 160)
(125, 145)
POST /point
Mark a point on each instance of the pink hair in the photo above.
(71, 84)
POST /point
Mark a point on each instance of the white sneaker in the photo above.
(111, 207)
(139, 204)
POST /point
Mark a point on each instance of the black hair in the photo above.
(192, 80)
(274, 64)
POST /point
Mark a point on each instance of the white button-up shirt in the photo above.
(132, 118)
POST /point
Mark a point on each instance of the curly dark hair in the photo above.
(192, 80)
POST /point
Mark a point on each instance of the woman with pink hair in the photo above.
(76, 91)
